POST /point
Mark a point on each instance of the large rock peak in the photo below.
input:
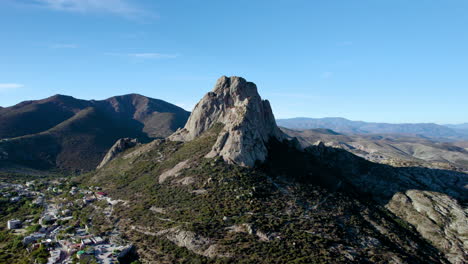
(248, 122)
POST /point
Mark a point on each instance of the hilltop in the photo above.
(69, 134)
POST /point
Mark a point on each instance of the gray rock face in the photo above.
(120, 146)
(438, 218)
(248, 122)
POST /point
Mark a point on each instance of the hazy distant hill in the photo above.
(72, 134)
(343, 125)
(463, 126)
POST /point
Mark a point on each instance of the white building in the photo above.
(97, 240)
(86, 241)
(14, 224)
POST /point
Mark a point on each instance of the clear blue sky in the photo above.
(371, 60)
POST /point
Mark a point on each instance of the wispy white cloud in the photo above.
(327, 75)
(146, 55)
(10, 86)
(153, 55)
(117, 7)
(63, 46)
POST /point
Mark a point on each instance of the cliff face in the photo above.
(248, 122)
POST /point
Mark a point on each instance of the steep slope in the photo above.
(177, 201)
(343, 125)
(65, 133)
(159, 118)
(80, 142)
(438, 196)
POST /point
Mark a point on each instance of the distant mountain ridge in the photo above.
(73, 134)
(343, 125)
(463, 126)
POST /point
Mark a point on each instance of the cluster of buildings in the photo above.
(58, 230)
(14, 192)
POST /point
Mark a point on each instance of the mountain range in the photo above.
(342, 125)
(69, 134)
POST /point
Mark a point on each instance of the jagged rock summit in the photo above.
(120, 146)
(248, 122)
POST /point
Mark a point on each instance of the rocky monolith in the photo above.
(248, 122)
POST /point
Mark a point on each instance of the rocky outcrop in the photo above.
(174, 172)
(248, 122)
(438, 218)
(120, 146)
(196, 243)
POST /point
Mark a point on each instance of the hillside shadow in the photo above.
(338, 169)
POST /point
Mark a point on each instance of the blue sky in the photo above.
(372, 60)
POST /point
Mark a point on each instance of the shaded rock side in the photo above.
(248, 122)
(120, 146)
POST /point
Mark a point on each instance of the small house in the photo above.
(14, 224)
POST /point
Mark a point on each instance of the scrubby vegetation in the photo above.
(11, 247)
(279, 212)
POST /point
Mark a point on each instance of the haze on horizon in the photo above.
(381, 61)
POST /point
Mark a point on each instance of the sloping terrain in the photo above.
(180, 203)
(391, 148)
(208, 211)
(346, 126)
(69, 134)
